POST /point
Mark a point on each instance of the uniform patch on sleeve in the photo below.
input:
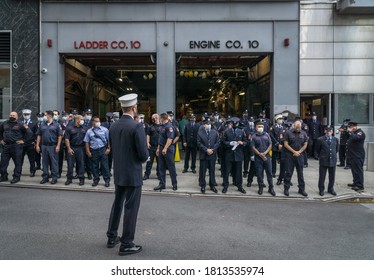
(170, 129)
(360, 133)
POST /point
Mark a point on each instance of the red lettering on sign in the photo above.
(105, 44)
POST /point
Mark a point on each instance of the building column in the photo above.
(165, 67)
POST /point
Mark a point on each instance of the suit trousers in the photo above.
(78, 159)
(247, 159)
(190, 151)
(29, 150)
(210, 165)
(237, 176)
(342, 154)
(152, 156)
(274, 158)
(14, 152)
(49, 157)
(252, 172)
(292, 163)
(322, 177)
(357, 169)
(129, 199)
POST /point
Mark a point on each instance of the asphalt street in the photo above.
(52, 224)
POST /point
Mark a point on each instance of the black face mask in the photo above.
(12, 119)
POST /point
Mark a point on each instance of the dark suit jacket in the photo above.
(129, 150)
(204, 143)
(327, 152)
(190, 134)
(238, 153)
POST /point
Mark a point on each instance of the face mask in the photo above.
(260, 129)
(279, 121)
(64, 118)
(98, 124)
(208, 127)
(55, 118)
(81, 122)
(88, 118)
(12, 119)
(45, 118)
(40, 119)
(27, 117)
(314, 118)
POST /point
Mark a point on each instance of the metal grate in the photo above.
(4, 46)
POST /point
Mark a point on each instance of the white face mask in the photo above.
(98, 124)
(55, 117)
(260, 129)
(280, 121)
(314, 118)
(81, 122)
(208, 127)
(88, 118)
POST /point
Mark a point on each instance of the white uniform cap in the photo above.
(128, 100)
(26, 111)
(278, 116)
(141, 116)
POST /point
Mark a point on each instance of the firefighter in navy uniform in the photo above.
(261, 145)
(315, 131)
(234, 140)
(344, 135)
(327, 148)
(88, 166)
(165, 152)
(49, 136)
(30, 139)
(190, 144)
(249, 129)
(275, 132)
(356, 155)
(295, 141)
(12, 137)
(38, 158)
(75, 148)
(153, 135)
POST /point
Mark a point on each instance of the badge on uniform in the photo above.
(170, 129)
(360, 133)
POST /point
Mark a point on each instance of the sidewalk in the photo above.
(188, 185)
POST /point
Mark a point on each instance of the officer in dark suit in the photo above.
(190, 144)
(165, 153)
(261, 145)
(275, 131)
(295, 141)
(127, 139)
(74, 136)
(315, 131)
(327, 148)
(12, 137)
(30, 139)
(249, 129)
(344, 135)
(38, 158)
(234, 140)
(356, 155)
(208, 143)
(107, 125)
(49, 135)
(153, 134)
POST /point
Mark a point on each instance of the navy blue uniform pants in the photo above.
(274, 158)
(76, 159)
(130, 196)
(236, 167)
(152, 156)
(357, 169)
(49, 158)
(247, 159)
(262, 165)
(100, 162)
(190, 151)
(210, 165)
(167, 161)
(292, 163)
(29, 150)
(322, 176)
(14, 152)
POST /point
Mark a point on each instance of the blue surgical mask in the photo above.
(40, 119)
(55, 117)
(64, 118)
(26, 117)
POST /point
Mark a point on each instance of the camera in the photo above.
(345, 124)
(44, 70)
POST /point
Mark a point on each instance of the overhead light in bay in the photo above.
(145, 77)
(190, 74)
(120, 79)
(203, 75)
(241, 93)
(196, 74)
(150, 76)
(181, 73)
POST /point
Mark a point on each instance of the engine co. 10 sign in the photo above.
(230, 44)
(93, 45)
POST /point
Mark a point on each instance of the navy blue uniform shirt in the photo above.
(75, 135)
(11, 132)
(49, 133)
(296, 139)
(261, 141)
(167, 131)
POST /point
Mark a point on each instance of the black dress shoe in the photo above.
(4, 179)
(54, 181)
(38, 168)
(350, 185)
(159, 188)
(260, 191)
(128, 251)
(59, 176)
(240, 189)
(286, 193)
(95, 183)
(249, 184)
(193, 171)
(76, 176)
(279, 182)
(175, 188)
(245, 175)
(81, 182)
(321, 193)
(224, 190)
(68, 182)
(113, 241)
(340, 165)
(274, 176)
(184, 171)
(358, 189)
(145, 177)
(306, 165)
(32, 174)
(214, 189)
(44, 181)
(271, 191)
(332, 192)
(89, 177)
(15, 180)
(347, 167)
(302, 192)
(107, 184)
(202, 189)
